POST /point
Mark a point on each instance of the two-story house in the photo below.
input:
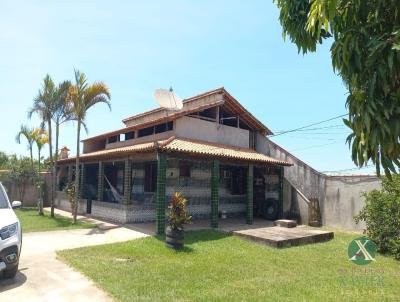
(212, 150)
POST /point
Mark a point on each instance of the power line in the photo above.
(350, 169)
(318, 128)
(328, 127)
(316, 146)
(316, 138)
(314, 124)
(321, 133)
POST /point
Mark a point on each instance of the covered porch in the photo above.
(135, 184)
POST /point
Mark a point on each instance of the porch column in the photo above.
(100, 181)
(160, 192)
(249, 196)
(280, 205)
(214, 193)
(127, 181)
(70, 169)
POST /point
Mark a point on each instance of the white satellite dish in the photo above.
(168, 99)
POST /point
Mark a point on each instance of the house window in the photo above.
(184, 169)
(146, 131)
(164, 127)
(129, 135)
(150, 177)
(113, 139)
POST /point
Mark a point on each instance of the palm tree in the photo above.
(43, 105)
(28, 133)
(41, 138)
(60, 115)
(81, 97)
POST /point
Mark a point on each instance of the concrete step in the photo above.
(285, 223)
(279, 237)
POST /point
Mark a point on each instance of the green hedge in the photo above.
(381, 214)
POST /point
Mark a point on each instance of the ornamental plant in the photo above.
(71, 193)
(177, 212)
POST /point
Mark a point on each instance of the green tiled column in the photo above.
(100, 182)
(82, 184)
(160, 192)
(214, 193)
(249, 201)
(280, 205)
(70, 169)
(127, 181)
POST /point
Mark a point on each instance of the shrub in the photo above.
(70, 192)
(381, 214)
(177, 214)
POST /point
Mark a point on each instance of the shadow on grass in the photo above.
(31, 215)
(197, 236)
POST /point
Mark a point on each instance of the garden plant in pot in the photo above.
(177, 218)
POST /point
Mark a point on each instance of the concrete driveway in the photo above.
(42, 277)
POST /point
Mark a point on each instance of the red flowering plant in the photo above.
(177, 212)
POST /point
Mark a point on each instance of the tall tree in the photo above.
(41, 138)
(81, 97)
(366, 54)
(29, 135)
(60, 116)
(43, 105)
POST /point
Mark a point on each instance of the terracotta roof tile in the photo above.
(112, 153)
(184, 145)
(219, 150)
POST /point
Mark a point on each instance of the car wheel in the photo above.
(10, 273)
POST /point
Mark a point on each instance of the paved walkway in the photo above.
(43, 278)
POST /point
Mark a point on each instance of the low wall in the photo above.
(133, 213)
(31, 195)
(343, 199)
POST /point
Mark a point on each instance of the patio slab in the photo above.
(280, 237)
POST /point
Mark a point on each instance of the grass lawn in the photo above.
(32, 222)
(219, 267)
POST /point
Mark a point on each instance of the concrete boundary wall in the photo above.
(340, 197)
(31, 193)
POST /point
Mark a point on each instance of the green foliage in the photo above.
(29, 134)
(382, 216)
(3, 160)
(177, 213)
(71, 193)
(366, 54)
(21, 172)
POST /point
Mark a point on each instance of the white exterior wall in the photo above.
(194, 128)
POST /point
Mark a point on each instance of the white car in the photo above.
(10, 236)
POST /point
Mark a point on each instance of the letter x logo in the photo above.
(362, 251)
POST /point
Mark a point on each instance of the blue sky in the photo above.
(138, 46)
